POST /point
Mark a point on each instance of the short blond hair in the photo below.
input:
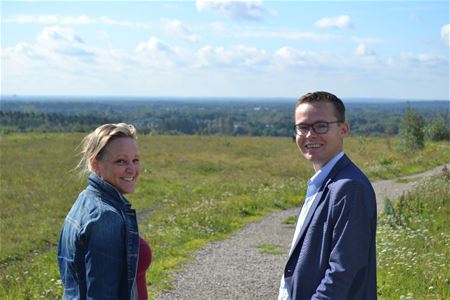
(95, 143)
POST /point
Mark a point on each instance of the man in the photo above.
(333, 250)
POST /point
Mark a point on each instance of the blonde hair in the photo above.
(94, 144)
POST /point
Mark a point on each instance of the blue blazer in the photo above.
(334, 255)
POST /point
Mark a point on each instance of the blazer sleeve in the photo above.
(352, 235)
(105, 256)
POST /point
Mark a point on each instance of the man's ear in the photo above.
(345, 128)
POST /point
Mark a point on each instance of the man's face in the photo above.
(320, 148)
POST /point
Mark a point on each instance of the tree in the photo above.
(412, 131)
(438, 129)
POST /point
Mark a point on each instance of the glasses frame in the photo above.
(312, 126)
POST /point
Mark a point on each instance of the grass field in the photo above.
(414, 244)
(192, 190)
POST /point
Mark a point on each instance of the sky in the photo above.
(371, 49)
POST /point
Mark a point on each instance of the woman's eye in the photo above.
(121, 162)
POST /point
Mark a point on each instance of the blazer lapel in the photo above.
(320, 197)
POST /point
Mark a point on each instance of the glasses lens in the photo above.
(320, 127)
(302, 129)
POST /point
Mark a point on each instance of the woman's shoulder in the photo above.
(91, 207)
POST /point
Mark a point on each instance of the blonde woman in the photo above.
(100, 252)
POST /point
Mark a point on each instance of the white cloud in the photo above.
(21, 19)
(427, 60)
(238, 10)
(66, 20)
(175, 27)
(72, 20)
(23, 55)
(445, 34)
(367, 40)
(286, 35)
(291, 57)
(154, 44)
(158, 54)
(61, 60)
(238, 56)
(57, 57)
(209, 55)
(58, 35)
(65, 41)
(220, 28)
(108, 21)
(340, 22)
(363, 50)
(251, 56)
(51, 19)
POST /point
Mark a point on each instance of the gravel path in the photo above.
(392, 189)
(236, 269)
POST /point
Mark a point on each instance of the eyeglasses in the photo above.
(320, 127)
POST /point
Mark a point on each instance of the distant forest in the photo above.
(216, 117)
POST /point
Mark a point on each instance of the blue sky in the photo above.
(376, 49)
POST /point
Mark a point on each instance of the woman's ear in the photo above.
(93, 163)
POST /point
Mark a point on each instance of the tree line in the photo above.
(264, 118)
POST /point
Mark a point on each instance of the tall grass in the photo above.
(413, 244)
(192, 190)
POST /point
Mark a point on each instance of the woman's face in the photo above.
(120, 164)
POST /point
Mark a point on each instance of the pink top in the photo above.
(144, 261)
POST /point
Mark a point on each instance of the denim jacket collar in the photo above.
(97, 184)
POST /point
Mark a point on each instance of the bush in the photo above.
(412, 131)
(438, 129)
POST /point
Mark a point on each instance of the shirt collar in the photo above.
(317, 180)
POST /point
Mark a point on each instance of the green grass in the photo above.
(406, 180)
(413, 244)
(291, 220)
(271, 249)
(192, 190)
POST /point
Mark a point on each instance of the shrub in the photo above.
(438, 129)
(412, 131)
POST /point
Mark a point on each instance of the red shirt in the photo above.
(144, 261)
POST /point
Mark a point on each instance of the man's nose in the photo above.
(310, 131)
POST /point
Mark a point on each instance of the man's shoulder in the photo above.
(346, 167)
(348, 174)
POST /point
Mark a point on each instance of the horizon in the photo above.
(115, 98)
(240, 49)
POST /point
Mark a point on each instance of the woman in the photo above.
(99, 248)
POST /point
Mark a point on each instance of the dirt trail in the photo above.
(237, 269)
(394, 188)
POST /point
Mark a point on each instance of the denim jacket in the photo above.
(99, 244)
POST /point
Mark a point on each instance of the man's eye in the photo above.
(121, 162)
(303, 128)
(320, 125)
